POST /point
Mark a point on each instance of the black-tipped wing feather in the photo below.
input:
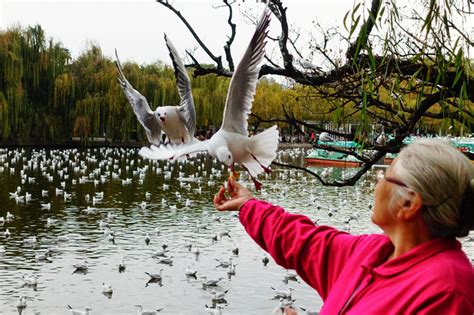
(186, 111)
(244, 81)
(140, 107)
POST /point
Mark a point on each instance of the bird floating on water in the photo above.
(147, 312)
(283, 294)
(155, 276)
(265, 260)
(30, 280)
(190, 272)
(107, 288)
(216, 310)
(122, 266)
(84, 266)
(21, 304)
(231, 270)
(290, 275)
(79, 312)
(210, 282)
(218, 297)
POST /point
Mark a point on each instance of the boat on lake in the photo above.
(465, 145)
(330, 158)
(389, 157)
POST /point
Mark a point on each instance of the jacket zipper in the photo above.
(351, 297)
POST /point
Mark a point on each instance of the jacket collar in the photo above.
(377, 263)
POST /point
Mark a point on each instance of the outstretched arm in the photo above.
(317, 253)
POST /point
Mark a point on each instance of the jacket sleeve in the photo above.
(316, 253)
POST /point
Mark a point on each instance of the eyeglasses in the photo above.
(381, 175)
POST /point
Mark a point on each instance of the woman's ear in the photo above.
(410, 208)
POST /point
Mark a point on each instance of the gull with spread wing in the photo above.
(232, 144)
(177, 122)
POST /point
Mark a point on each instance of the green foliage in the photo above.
(46, 97)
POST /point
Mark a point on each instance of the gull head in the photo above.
(161, 114)
(223, 154)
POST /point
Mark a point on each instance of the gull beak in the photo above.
(163, 120)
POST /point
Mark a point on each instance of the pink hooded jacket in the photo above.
(351, 272)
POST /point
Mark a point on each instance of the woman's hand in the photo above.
(238, 196)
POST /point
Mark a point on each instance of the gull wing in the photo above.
(186, 111)
(173, 151)
(244, 81)
(140, 107)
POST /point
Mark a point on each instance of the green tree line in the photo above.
(46, 97)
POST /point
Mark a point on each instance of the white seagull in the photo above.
(84, 266)
(218, 297)
(146, 312)
(283, 294)
(210, 282)
(190, 272)
(21, 303)
(232, 144)
(79, 312)
(381, 139)
(30, 280)
(325, 137)
(107, 288)
(177, 122)
(155, 276)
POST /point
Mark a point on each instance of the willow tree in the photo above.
(29, 65)
(402, 66)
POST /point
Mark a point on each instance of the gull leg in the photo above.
(266, 169)
(257, 184)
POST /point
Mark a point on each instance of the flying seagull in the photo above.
(232, 144)
(177, 122)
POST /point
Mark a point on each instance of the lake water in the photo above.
(138, 201)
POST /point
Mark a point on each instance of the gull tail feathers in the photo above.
(174, 151)
(262, 149)
(162, 152)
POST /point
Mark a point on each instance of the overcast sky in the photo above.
(136, 28)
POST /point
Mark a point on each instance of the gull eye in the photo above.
(229, 156)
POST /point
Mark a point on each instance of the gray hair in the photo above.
(443, 177)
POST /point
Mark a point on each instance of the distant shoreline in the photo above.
(130, 144)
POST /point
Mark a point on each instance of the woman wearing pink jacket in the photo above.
(422, 204)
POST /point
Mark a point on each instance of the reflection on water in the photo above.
(81, 219)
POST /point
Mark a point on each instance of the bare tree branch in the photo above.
(229, 42)
(217, 60)
(394, 79)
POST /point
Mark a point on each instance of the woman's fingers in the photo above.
(238, 196)
(219, 198)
